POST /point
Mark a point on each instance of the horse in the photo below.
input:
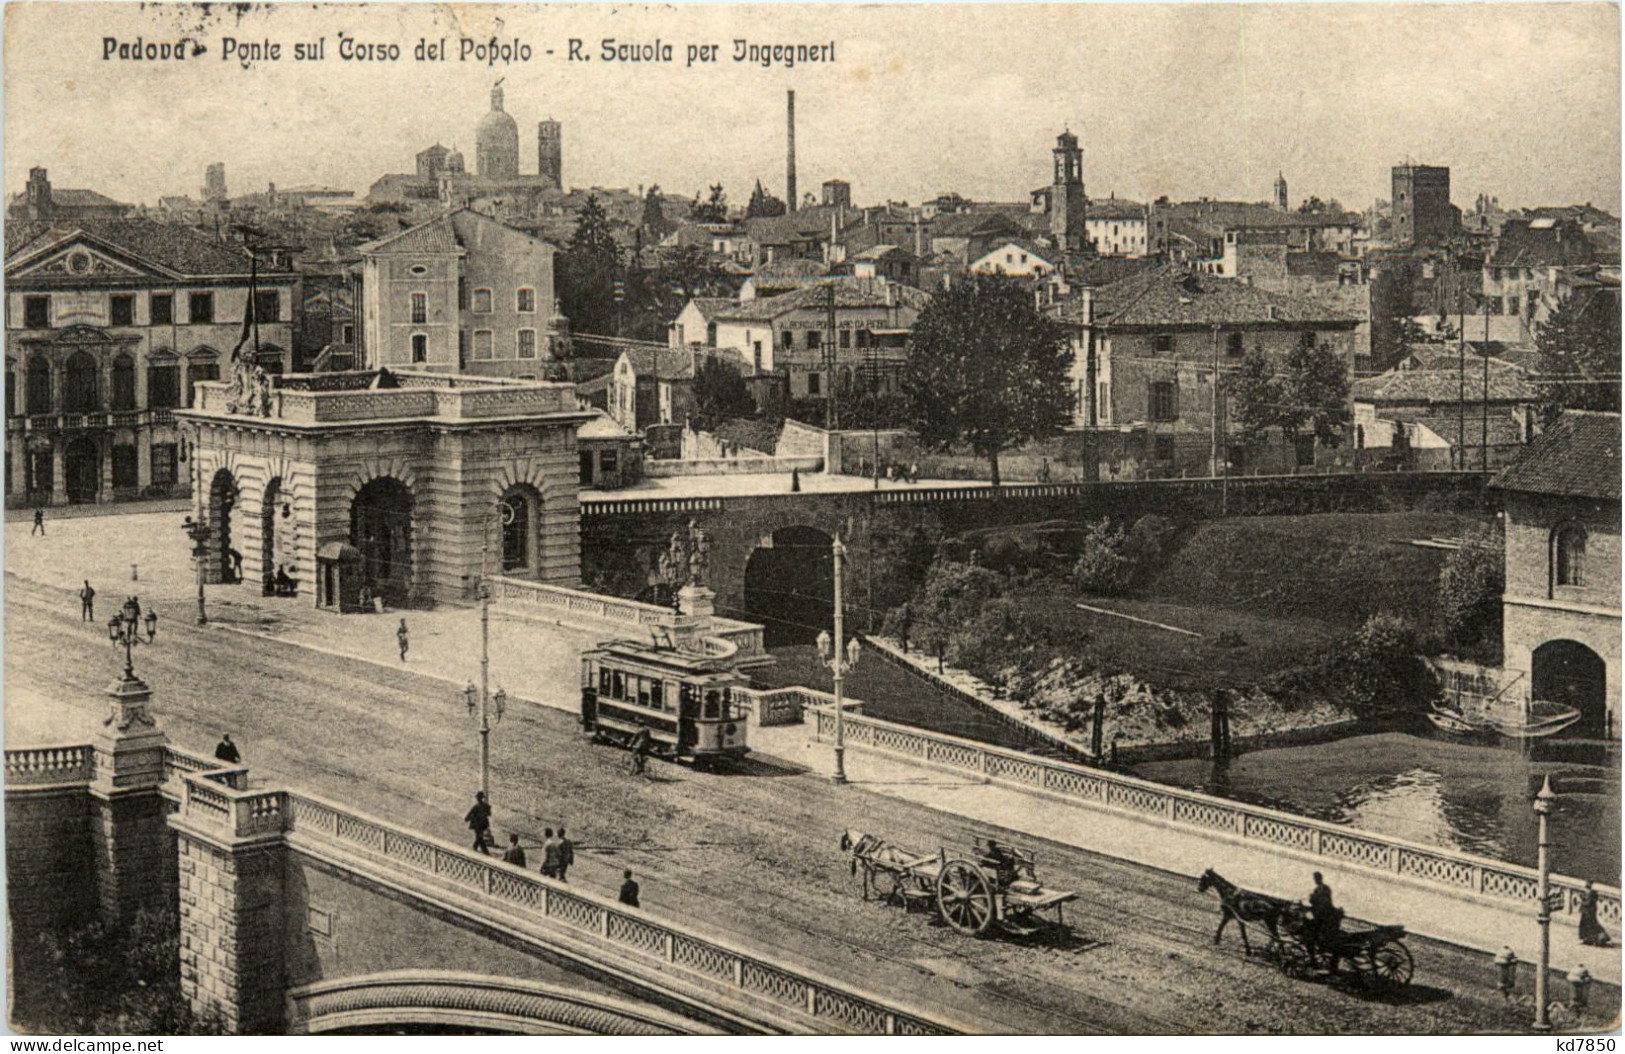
(875, 854)
(1244, 906)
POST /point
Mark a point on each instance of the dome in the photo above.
(496, 142)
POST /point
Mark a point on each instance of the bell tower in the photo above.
(1067, 204)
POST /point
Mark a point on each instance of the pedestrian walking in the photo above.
(1506, 964)
(479, 817)
(795, 479)
(401, 639)
(567, 855)
(640, 751)
(152, 624)
(236, 564)
(39, 523)
(227, 751)
(515, 854)
(87, 603)
(550, 855)
(914, 472)
(629, 889)
(1591, 932)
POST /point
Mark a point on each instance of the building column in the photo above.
(143, 456)
(59, 472)
(104, 453)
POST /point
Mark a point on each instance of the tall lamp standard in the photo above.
(125, 628)
(484, 700)
(199, 532)
(1543, 870)
(838, 660)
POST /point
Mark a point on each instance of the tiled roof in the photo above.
(793, 226)
(794, 267)
(1115, 209)
(666, 364)
(1442, 383)
(435, 236)
(1541, 243)
(968, 224)
(167, 246)
(1577, 457)
(1043, 253)
(75, 199)
(602, 426)
(1213, 218)
(712, 306)
(849, 293)
(1173, 296)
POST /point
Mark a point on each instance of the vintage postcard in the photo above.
(899, 520)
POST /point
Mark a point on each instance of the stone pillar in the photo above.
(130, 843)
(232, 922)
(59, 473)
(104, 445)
(143, 455)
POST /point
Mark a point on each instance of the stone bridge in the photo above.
(770, 549)
(300, 915)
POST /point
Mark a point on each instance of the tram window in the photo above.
(643, 691)
(711, 700)
(657, 695)
(618, 687)
(603, 681)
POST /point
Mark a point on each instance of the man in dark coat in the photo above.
(515, 854)
(479, 821)
(567, 854)
(87, 603)
(1324, 920)
(550, 855)
(39, 523)
(629, 889)
(641, 745)
(227, 751)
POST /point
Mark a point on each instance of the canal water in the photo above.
(1418, 785)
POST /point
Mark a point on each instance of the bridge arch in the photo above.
(1566, 671)
(471, 1002)
(790, 584)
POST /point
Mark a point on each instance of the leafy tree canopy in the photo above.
(714, 209)
(987, 369)
(763, 203)
(1580, 355)
(720, 392)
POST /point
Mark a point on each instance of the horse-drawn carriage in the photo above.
(1301, 945)
(997, 888)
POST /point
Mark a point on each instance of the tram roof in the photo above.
(670, 657)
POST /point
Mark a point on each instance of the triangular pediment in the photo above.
(78, 259)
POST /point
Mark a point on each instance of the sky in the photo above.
(1521, 101)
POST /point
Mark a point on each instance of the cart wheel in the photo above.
(964, 897)
(1293, 959)
(1020, 924)
(1389, 966)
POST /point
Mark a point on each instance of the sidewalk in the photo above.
(115, 508)
(1470, 923)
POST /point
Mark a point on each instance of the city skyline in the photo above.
(969, 104)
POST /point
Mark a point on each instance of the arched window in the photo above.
(518, 518)
(79, 391)
(163, 380)
(124, 383)
(39, 385)
(1569, 555)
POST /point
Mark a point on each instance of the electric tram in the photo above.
(685, 699)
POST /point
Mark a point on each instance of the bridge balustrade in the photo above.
(1097, 788)
(243, 813)
(44, 766)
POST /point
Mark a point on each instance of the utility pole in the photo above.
(1460, 460)
(1484, 458)
(832, 417)
(1213, 457)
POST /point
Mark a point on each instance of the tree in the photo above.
(1313, 206)
(952, 596)
(763, 204)
(654, 223)
(720, 393)
(1580, 355)
(1254, 397)
(714, 209)
(588, 270)
(1315, 394)
(987, 369)
(1102, 566)
(1470, 587)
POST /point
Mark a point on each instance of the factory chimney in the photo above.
(790, 159)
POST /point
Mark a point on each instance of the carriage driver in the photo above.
(1325, 920)
(1002, 861)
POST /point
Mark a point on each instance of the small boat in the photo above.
(1545, 719)
(1453, 721)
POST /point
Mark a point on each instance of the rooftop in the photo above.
(163, 247)
(850, 293)
(1543, 242)
(1173, 296)
(1441, 380)
(1577, 457)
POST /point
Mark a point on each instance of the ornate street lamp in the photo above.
(481, 698)
(1543, 871)
(125, 628)
(199, 533)
(839, 661)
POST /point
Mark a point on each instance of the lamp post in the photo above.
(1543, 806)
(482, 702)
(125, 628)
(838, 660)
(199, 533)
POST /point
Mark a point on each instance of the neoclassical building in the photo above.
(409, 483)
(109, 327)
(1560, 611)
